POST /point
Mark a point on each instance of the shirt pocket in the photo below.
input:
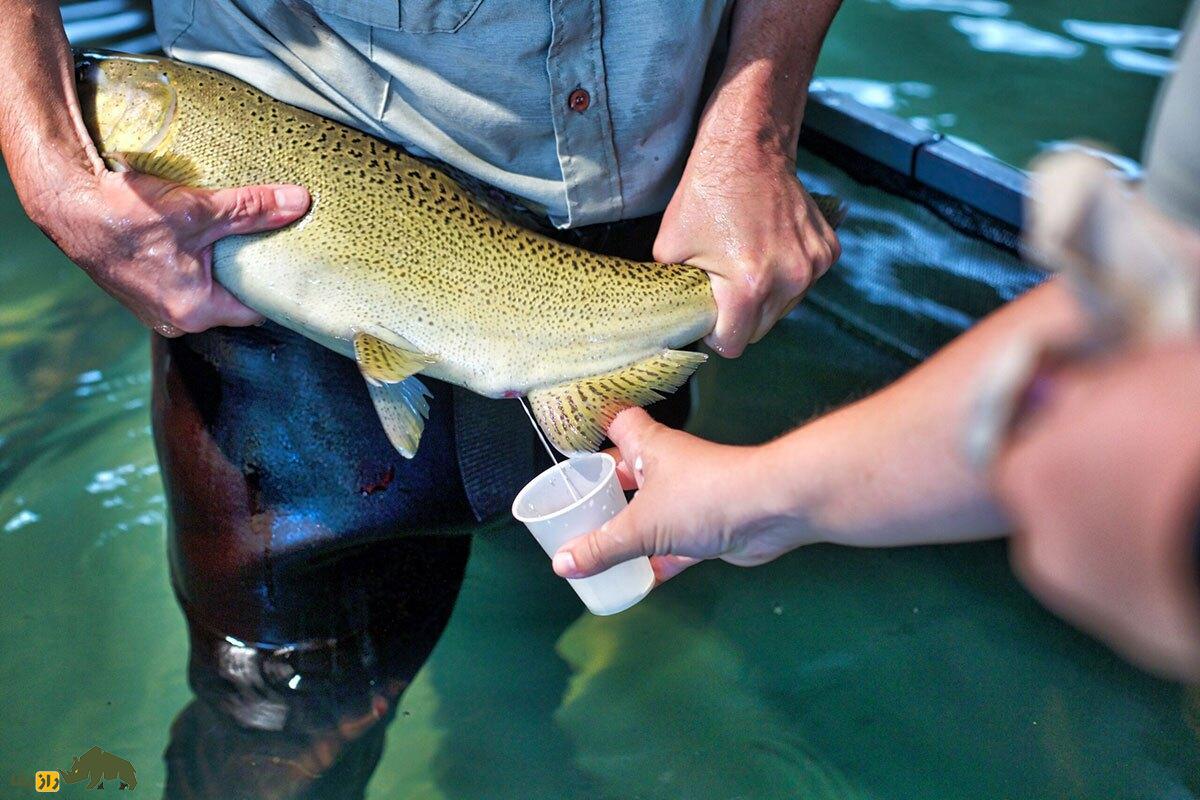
(411, 16)
(436, 16)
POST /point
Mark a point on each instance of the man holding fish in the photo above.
(643, 129)
(580, 128)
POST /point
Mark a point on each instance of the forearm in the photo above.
(41, 128)
(759, 100)
(890, 469)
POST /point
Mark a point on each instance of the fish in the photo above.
(400, 268)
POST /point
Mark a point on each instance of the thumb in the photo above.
(629, 431)
(617, 541)
(252, 209)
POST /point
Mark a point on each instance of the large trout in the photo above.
(397, 267)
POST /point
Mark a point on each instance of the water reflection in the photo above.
(1015, 38)
(125, 22)
(878, 94)
(90, 9)
(1115, 34)
(984, 8)
(308, 720)
(1139, 62)
(20, 520)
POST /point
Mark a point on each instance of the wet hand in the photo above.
(696, 500)
(148, 242)
(1102, 479)
(745, 219)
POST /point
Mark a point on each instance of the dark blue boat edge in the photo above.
(929, 168)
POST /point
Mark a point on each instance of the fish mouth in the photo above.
(83, 68)
(87, 66)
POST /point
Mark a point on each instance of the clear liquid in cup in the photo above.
(570, 499)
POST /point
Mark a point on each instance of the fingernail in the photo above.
(564, 564)
(291, 199)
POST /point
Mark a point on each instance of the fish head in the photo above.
(129, 102)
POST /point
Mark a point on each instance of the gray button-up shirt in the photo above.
(585, 108)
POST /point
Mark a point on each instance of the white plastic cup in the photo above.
(554, 515)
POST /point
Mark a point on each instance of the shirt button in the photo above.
(579, 101)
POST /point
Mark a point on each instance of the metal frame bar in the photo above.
(930, 159)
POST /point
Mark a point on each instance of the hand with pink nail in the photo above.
(696, 500)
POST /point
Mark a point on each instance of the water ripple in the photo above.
(1132, 60)
(119, 24)
(1015, 38)
(1115, 34)
(20, 520)
(983, 8)
(879, 94)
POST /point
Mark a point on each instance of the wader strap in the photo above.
(495, 451)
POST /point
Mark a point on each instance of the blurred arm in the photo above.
(891, 469)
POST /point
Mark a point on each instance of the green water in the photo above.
(1011, 77)
(916, 673)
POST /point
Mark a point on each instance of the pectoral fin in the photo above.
(381, 362)
(168, 166)
(399, 398)
(575, 416)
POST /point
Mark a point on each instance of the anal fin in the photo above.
(574, 416)
(399, 398)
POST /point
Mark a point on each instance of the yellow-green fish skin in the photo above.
(390, 246)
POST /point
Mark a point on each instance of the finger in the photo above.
(251, 209)
(629, 431)
(736, 319)
(669, 248)
(835, 249)
(773, 310)
(167, 330)
(617, 541)
(229, 311)
(790, 307)
(827, 250)
(625, 474)
(667, 567)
